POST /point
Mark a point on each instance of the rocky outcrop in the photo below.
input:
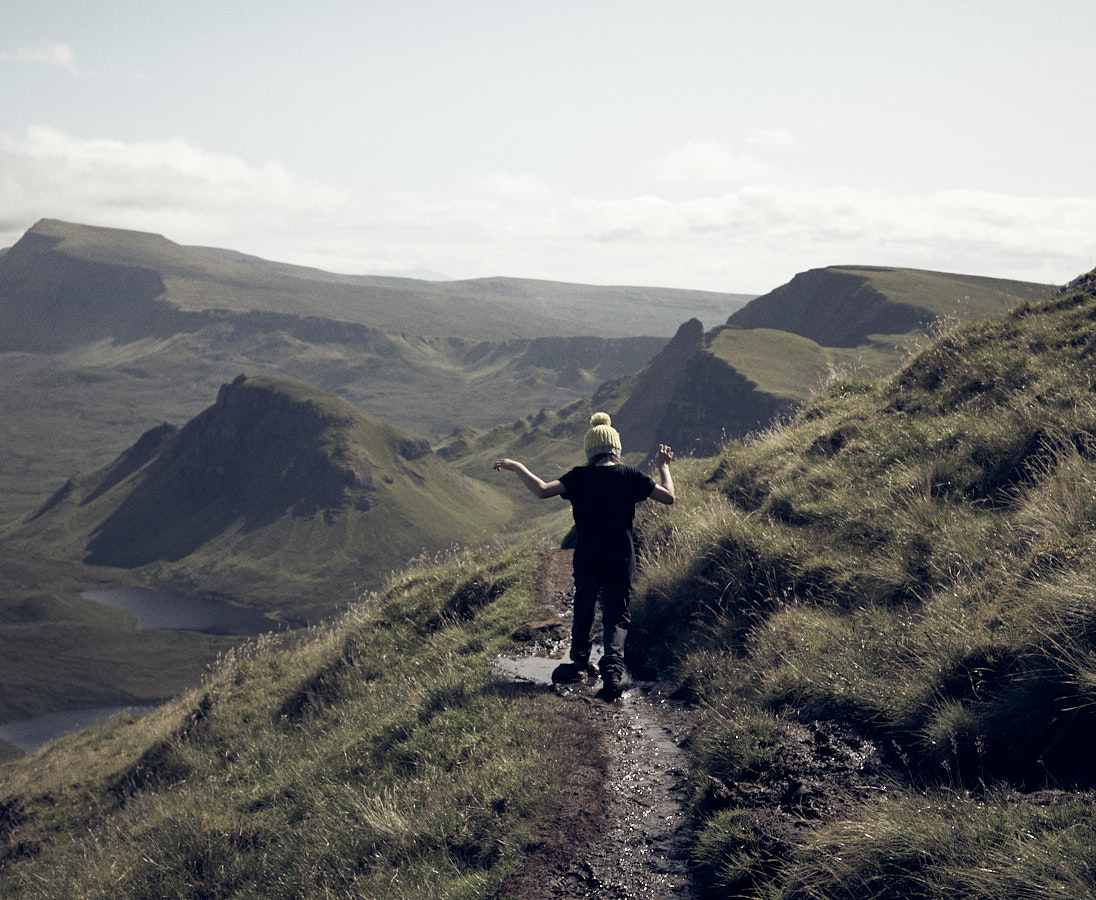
(651, 396)
(712, 403)
(690, 399)
(832, 308)
(258, 454)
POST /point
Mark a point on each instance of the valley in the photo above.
(118, 339)
(874, 578)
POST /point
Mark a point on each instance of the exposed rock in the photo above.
(834, 309)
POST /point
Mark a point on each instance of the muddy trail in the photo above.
(623, 831)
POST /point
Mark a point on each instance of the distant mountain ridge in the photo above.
(195, 279)
(113, 331)
(706, 387)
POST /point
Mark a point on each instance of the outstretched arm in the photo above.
(537, 486)
(664, 492)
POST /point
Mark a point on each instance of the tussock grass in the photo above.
(912, 557)
(376, 757)
(945, 845)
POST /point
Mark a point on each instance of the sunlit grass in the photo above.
(912, 557)
(377, 757)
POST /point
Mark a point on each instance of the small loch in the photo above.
(178, 612)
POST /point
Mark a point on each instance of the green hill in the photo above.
(844, 306)
(777, 350)
(895, 582)
(279, 497)
(705, 387)
(275, 482)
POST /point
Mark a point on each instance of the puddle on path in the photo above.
(643, 851)
(536, 669)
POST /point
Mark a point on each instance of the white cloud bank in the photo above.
(43, 52)
(748, 237)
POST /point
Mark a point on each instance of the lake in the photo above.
(177, 612)
(30, 735)
(152, 609)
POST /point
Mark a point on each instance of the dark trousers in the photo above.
(615, 619)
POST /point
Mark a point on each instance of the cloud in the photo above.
(511, 187)
(43, 52)
(154, 185)
(707, 163)
(769, 137)
(748, 237)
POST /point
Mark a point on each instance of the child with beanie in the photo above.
(603, 495)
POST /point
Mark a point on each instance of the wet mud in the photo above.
(627, 834)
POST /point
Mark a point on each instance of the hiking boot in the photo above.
(572, 673)
(611, 690)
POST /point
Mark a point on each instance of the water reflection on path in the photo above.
(643, 850)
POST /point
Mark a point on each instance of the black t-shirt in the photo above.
(603, 502)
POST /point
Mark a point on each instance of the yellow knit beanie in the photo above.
(602, 437)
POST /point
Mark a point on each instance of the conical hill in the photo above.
(276, 480)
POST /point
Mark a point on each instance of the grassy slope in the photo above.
(62, 652)
(911, 556)
(791, 366)
(379, 758)
(947, 294)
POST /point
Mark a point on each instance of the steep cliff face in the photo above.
(256, 455)
(276, 482)
(713, 403)
(690, 399)
(834, 309)
(651, 394)
(50, 300)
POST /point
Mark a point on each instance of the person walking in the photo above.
(603, 496)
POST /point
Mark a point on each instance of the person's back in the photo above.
(603, 502)
(603, 496)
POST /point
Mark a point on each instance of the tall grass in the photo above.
(913, 557)
(381, 757)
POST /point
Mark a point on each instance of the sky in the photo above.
(721, 145)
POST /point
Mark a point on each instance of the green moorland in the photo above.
(379, 756)
(945, 295)
(910, 557)
(278, 497)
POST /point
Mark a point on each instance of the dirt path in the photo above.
(630, 839)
